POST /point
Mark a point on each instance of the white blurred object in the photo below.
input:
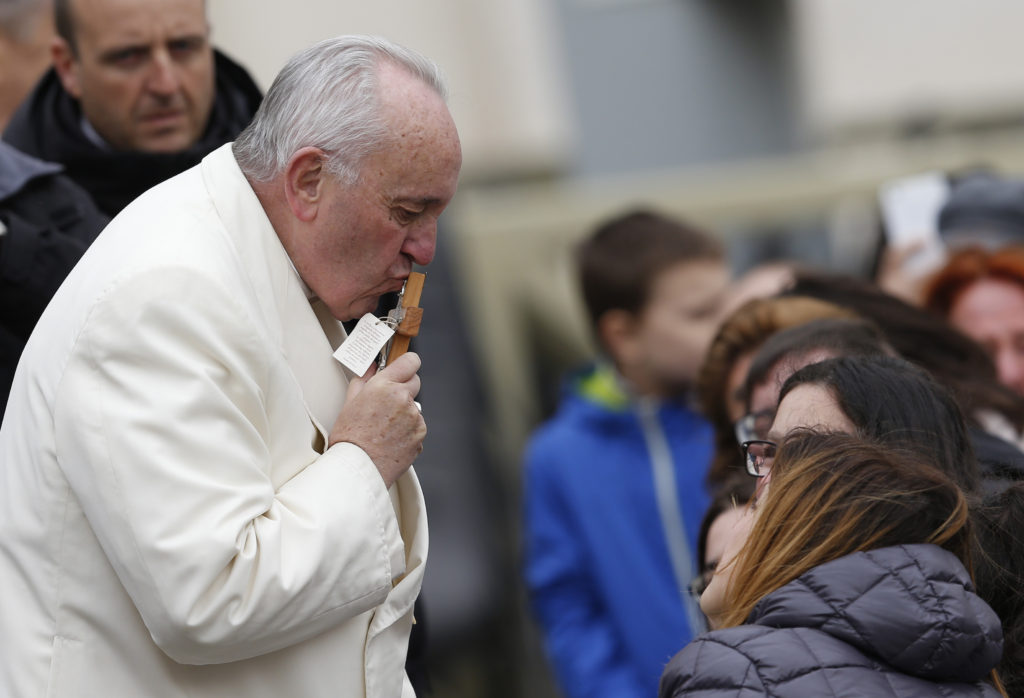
(910, 211)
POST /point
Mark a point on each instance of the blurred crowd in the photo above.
(835, 462)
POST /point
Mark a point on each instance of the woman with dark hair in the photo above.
(853, 581)
(885, 399)
(892, 402)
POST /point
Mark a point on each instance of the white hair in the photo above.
(327, 97)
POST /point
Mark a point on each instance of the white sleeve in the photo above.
(163, 434)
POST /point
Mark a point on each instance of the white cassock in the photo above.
(170, 524)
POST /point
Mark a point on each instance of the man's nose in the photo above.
(421, 243)
(163, 76)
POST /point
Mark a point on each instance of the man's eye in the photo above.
(128, 58)
(405, 215)
(182, 48)
(709, 309)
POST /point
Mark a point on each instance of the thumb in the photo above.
(403, 368)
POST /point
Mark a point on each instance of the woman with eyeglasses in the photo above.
(885, 399)
(853, 581)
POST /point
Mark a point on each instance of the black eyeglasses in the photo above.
(758, 455)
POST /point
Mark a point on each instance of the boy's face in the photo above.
(672, 333)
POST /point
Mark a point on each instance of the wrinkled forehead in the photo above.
(417, 116)
(109, 23)
(422, 137)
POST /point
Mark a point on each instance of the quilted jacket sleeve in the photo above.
(50, 223)
(710, 668)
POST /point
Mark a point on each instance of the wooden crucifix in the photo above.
(410, 315)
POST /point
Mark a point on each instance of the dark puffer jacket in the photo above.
(48, 223)
(895, 622)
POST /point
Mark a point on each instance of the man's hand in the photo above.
(381, 417)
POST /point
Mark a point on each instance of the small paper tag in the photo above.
(363, 344)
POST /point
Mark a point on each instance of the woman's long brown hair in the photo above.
(835, 494)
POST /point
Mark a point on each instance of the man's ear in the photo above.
(304, 181)
(616, 329)
(66, 65)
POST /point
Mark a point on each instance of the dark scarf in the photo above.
(48, 125)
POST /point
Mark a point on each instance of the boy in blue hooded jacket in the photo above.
(614, 480)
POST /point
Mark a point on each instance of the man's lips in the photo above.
(399, 280)
(163, 118)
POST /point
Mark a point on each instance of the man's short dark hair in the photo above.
(620, 260)
(64, 23)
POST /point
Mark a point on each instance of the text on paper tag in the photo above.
(363, 344)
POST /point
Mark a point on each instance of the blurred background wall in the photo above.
(771, 123)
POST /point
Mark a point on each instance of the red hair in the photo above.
(968, 266)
